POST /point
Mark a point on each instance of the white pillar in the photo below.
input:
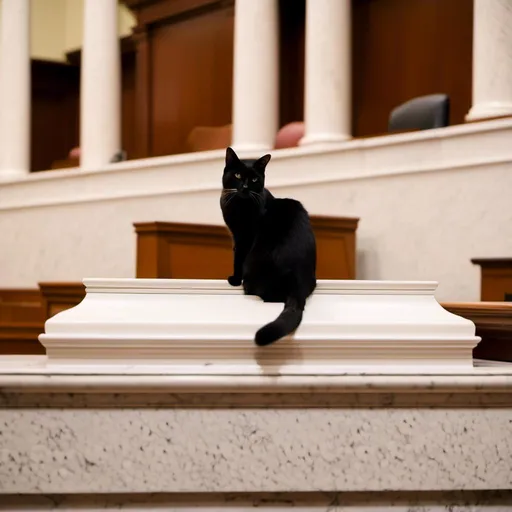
(328, 80)
(492, 59)
(100, 87)
(255, 75)
(15, 89)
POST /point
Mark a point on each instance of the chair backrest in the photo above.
(207, 138)
(422, 113)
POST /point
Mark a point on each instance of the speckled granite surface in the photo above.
(101, 450)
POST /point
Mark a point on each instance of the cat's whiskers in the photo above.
(227, 195)
(257, 198)
(230, 198)
(228, 191)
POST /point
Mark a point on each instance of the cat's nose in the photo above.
(245, 185)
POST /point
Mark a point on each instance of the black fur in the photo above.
(274, 244)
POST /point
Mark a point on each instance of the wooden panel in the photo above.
(128, 102)
(336, 247)
(403, 49)
(21, 321)
(173, 250)
(292, 15)
(23, 313)
(496, 278)
(54, 130)
(191, 61)
(191, 251)
(20, 305)
(208, 261)
(21, 338)
(142, 113)
(58, 297)
(493, 322)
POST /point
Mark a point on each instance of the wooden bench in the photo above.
(493, 322)
(24, 312)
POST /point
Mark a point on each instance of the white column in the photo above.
(492, 59)
(255, 75)
(328, 80)
(100, 88)
(15, 89)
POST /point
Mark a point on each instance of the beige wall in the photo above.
(56, 27)
(47, 22)
(74, 19)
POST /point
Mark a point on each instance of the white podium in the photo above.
(207, 327)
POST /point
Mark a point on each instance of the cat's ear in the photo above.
(261, 163)
(231, 158)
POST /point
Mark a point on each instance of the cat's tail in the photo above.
(284, 324)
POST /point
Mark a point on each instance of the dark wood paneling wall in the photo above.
(128, 100)
(292, 16)
(55, 90)
(400, 49)
(184, 70)
(192, 76)
(408, 48)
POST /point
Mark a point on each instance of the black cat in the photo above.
(274, 244)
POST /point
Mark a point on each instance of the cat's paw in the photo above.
(234, 280)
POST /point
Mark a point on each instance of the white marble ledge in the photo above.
(32, 373)
(444, 149)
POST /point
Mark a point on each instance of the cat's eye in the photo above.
(237, 176)
(254, 180)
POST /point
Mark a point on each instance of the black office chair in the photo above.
(422, 113)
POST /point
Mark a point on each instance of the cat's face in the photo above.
(244, 177)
